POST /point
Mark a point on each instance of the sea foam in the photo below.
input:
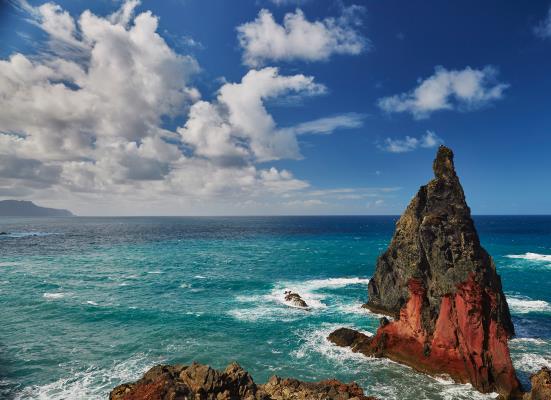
(53, 296)
(93, 383)
(530, 362)
(314, 343)
(272, 306)
(531, 257)
(525, 305)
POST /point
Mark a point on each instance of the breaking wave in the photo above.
(272, 305)
(524, 305)
(531, 257)
(93, 383)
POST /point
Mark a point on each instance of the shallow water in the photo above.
(89, 303)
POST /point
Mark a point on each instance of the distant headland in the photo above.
(21, 208)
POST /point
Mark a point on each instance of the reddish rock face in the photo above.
(442, 288)
(465, 344)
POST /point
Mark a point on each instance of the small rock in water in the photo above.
(295, 299)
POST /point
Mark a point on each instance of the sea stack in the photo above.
(443, 291)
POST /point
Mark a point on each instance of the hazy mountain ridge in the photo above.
(21, 208)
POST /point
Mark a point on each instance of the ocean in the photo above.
(89, 303)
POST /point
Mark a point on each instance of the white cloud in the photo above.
(237, 125)
(86, 127)
(329, 124)
(300, 39)
(428, 140)
(543, 29)
(288, 2)
(465, 89)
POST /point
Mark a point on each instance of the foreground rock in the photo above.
(295, 300)
(179, 382)
(541, 385)
(443, 291)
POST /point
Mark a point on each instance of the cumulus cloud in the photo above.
(90, 123)
(236, 127)
(466, 89)
(428, 140)
(543, 29)
(297, 38)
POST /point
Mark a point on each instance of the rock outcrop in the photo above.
(541, 385)
(200, 382)
(295, 300)
(443, 291)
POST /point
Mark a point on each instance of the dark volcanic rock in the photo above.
(443, 290)
(435, 241)
(295, 300)
(541, 385)
(179, 382)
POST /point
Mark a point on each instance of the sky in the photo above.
(262, 107)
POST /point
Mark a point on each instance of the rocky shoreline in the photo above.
(201, 382)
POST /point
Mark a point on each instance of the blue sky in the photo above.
(273, 107)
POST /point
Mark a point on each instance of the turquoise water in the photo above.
(89, 303)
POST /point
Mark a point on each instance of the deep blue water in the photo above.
(89, 303)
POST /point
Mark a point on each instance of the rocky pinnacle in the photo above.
(443, 291)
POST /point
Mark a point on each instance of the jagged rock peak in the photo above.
(443, 166)
(443, 290)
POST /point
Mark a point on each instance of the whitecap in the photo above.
(309, 290)
(453, 391)
(273, 306)
(200, 277)
(267, 313)
(185, 285)
(315, 341)
(17, 235)
(536, 260)
(93, 383)
(154, 272)
(531, 362)
(358, 308)
(92, 303)
(9, 264)
(528, 340)
(53, 296)
(531, 257)
(197, 314)
(524, 305)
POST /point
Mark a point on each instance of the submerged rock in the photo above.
(179, 382)
(295, 300)
(442, 289)
(541, 385)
